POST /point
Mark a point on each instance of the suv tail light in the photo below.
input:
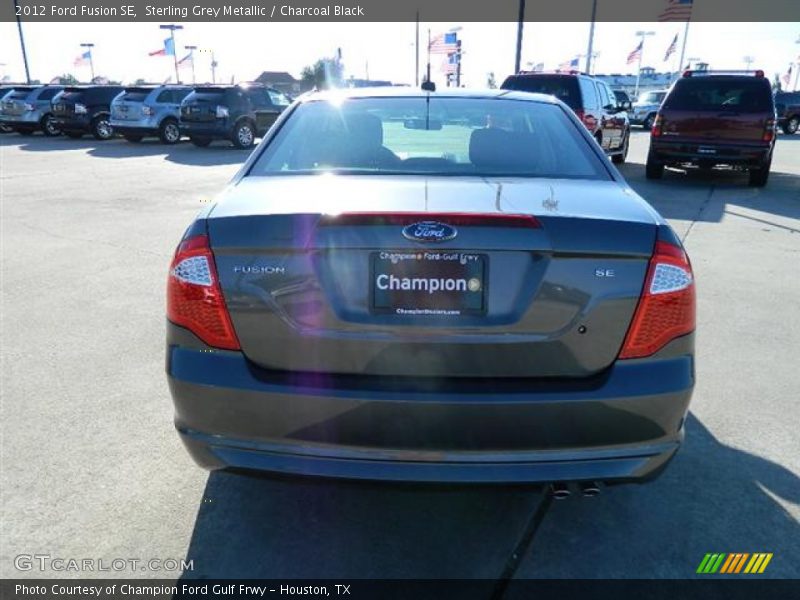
(194, 296)
(667, 308)
(769, 130)
(580, 114)
(147, 110)
(222, 112)
(29, 107)
(658, 125)
(80, 109)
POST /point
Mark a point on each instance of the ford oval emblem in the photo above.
(429, 231)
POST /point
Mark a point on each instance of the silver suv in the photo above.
(645, 108)
(26, 109)
(142, 111)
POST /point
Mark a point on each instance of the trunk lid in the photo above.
(201, 106)
(304, 291)
(726, 109)
(128, 107)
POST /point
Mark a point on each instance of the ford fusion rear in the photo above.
(419, 286)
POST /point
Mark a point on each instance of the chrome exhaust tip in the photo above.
(589, 489)
(559, 490)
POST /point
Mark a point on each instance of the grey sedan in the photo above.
(431, 286)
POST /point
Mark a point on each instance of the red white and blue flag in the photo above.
(444, 43)
(569, 65)
(636, 54)
(186, 60)
(677, 10)
(83, 59)
(672, 47)
(450, 64)
(167, 50)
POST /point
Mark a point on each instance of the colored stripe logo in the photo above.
(735, 562)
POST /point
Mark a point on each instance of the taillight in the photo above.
(222, 112)
(580, 114)
(658, 125)
(194, 296)
(666, 309)
(148, 110)
(769, 130)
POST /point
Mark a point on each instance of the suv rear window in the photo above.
(564, 88)
(20, 93)
(136, 94)
(720, 94)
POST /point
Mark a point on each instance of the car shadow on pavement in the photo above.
(218, 153)
(685, 194)
(713, 498)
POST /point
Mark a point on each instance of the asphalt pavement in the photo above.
(90, 466)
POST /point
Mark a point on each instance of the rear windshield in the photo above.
(564, 88)
(20, 93)
(136, 94)
(749, 94)
(442, 136)
(71, 95)
(208, 93)
(652, 97)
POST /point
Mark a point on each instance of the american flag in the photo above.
(450, 64)
(677, 10)
(787, 77)
(636, 54)
(186, 60)
(83, 59)
(672, 47)
(568, 65)
(444, 43)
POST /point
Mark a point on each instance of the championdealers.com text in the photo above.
(184, 12)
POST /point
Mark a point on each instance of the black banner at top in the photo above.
(399, 10)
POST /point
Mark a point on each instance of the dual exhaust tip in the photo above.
(561, 491)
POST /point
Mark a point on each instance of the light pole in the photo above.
(22, 43)
(213, 63)
(520, 25)
(642, 35)
(191, 50)
(91, 57)
(172, 27)
(748, 60)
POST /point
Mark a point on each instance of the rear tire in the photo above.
(49, 127)
(169, 132)
(5, 128)
(244, 135)
(619, 159)
(200, 142)
(792, 125)
(758, 177)
(133, 138)
(653, 169)
(101, 128)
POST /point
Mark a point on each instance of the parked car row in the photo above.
(238, 113)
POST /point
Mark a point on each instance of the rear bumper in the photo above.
(73, 122)
(205, 129)
(28, 119)
(622, 426)
(674, 151)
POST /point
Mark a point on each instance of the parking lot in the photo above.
(92, 468)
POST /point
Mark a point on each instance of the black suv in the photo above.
(238, 113)
(787, 105)
(591, 99)
(712, 118)
(85, 109)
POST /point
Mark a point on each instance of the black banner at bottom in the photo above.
(358, 589)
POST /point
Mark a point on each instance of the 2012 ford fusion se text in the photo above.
(450, 286)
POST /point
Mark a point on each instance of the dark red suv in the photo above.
(591, 99)
(712, 118)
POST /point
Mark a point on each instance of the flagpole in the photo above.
(683, 48)
(428, 78)
(642, 35)
(91, 57)
(591, 39)
(416, 53)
